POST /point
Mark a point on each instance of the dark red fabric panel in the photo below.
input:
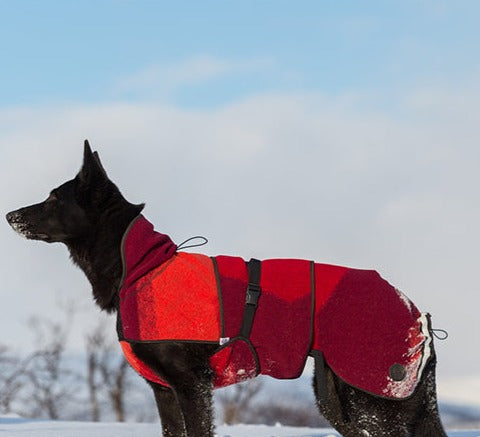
(233, 283)
(363, 329)
(144, 249)
(281, 330)
(234, 363)
(327, 278)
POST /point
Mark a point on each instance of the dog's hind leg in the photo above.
(171, 416)
(355, 413)
(428, 422)
(331, 407)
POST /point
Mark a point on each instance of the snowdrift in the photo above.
(18, 427)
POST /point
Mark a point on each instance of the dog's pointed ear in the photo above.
(92, 167)
(99, 163)
(87, 151)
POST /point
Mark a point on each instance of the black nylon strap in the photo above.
(252, 296)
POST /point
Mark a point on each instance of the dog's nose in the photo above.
(11, 216)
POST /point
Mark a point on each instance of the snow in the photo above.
(17, 427)
(407, 302)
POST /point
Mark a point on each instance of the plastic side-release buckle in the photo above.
(253, 294)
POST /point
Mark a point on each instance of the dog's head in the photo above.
(71, 209)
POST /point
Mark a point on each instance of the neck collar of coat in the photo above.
(143, 249)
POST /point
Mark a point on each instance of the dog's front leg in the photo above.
(173, 424)
(185, 367)
(195, 399)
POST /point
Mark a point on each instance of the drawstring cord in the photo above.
(182, 246)
(440, 334)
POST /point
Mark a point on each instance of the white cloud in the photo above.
(271, 175)
(161, 79)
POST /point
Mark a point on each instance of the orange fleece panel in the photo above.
(139, 366)
(185, 288)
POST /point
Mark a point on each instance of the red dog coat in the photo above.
(369, 333)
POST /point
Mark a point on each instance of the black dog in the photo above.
(90, 216)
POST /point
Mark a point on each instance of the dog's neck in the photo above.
(143, 249)
(98, 256)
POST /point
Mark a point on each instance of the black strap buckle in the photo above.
(252, 296)
(253, 293)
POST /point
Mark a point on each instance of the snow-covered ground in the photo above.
(18, 427)
(459, 409)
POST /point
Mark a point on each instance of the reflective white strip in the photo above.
(427, 350)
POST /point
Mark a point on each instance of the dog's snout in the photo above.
(16, 221)
(12, 216)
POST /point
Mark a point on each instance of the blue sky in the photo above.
(354, 123)
(67, 51)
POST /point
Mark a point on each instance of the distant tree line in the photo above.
(49, 382)
(98, 384)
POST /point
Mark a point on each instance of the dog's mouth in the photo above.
(25, 229)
